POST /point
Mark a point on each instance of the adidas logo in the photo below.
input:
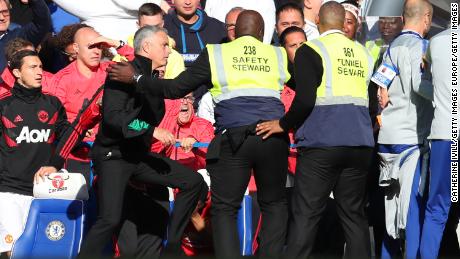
(18, 118)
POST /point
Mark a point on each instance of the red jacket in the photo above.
(9, 79)
(72, 89)
(198, 128)
(287, 96)
(193, 243)
(196, 243)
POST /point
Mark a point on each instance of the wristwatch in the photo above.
(122, 43)
(136, 77)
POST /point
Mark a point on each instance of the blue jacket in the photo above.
(34, 31)
(192, 39)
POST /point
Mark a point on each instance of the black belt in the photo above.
(236, 137)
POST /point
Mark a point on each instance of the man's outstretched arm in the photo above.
(195, 76)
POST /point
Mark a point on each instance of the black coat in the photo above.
(122, 105)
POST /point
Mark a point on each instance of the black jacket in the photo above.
(122, 105)
(30, 123)
(192, 39)
(34, 31)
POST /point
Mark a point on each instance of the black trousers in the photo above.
(145, 220)
(230, 175)
(113, 176)
(82, 167)
(342, 170)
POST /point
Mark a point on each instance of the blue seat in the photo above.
(244, 225)
(54, 229)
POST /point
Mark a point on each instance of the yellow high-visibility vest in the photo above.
(247, 67)
(374, 47)
(347, 70)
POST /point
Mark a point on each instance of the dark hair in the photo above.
(288, 31)
(149, 9)
(14, 46)
(352, 2)
(289, 6)
(67, 35)
(297, 2)
(18, 58)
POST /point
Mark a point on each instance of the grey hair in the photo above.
(234, 9)
(143, 33)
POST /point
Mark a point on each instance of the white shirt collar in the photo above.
(1, 36)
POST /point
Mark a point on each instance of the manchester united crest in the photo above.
(55, 230)
(58, 182)
(42, 116)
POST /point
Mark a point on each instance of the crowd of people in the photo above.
(346, 135)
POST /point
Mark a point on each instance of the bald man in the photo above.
(247, 77)
(77, 82)
(406, 122)
(333, 135)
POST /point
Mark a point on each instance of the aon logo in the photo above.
(33, 136)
